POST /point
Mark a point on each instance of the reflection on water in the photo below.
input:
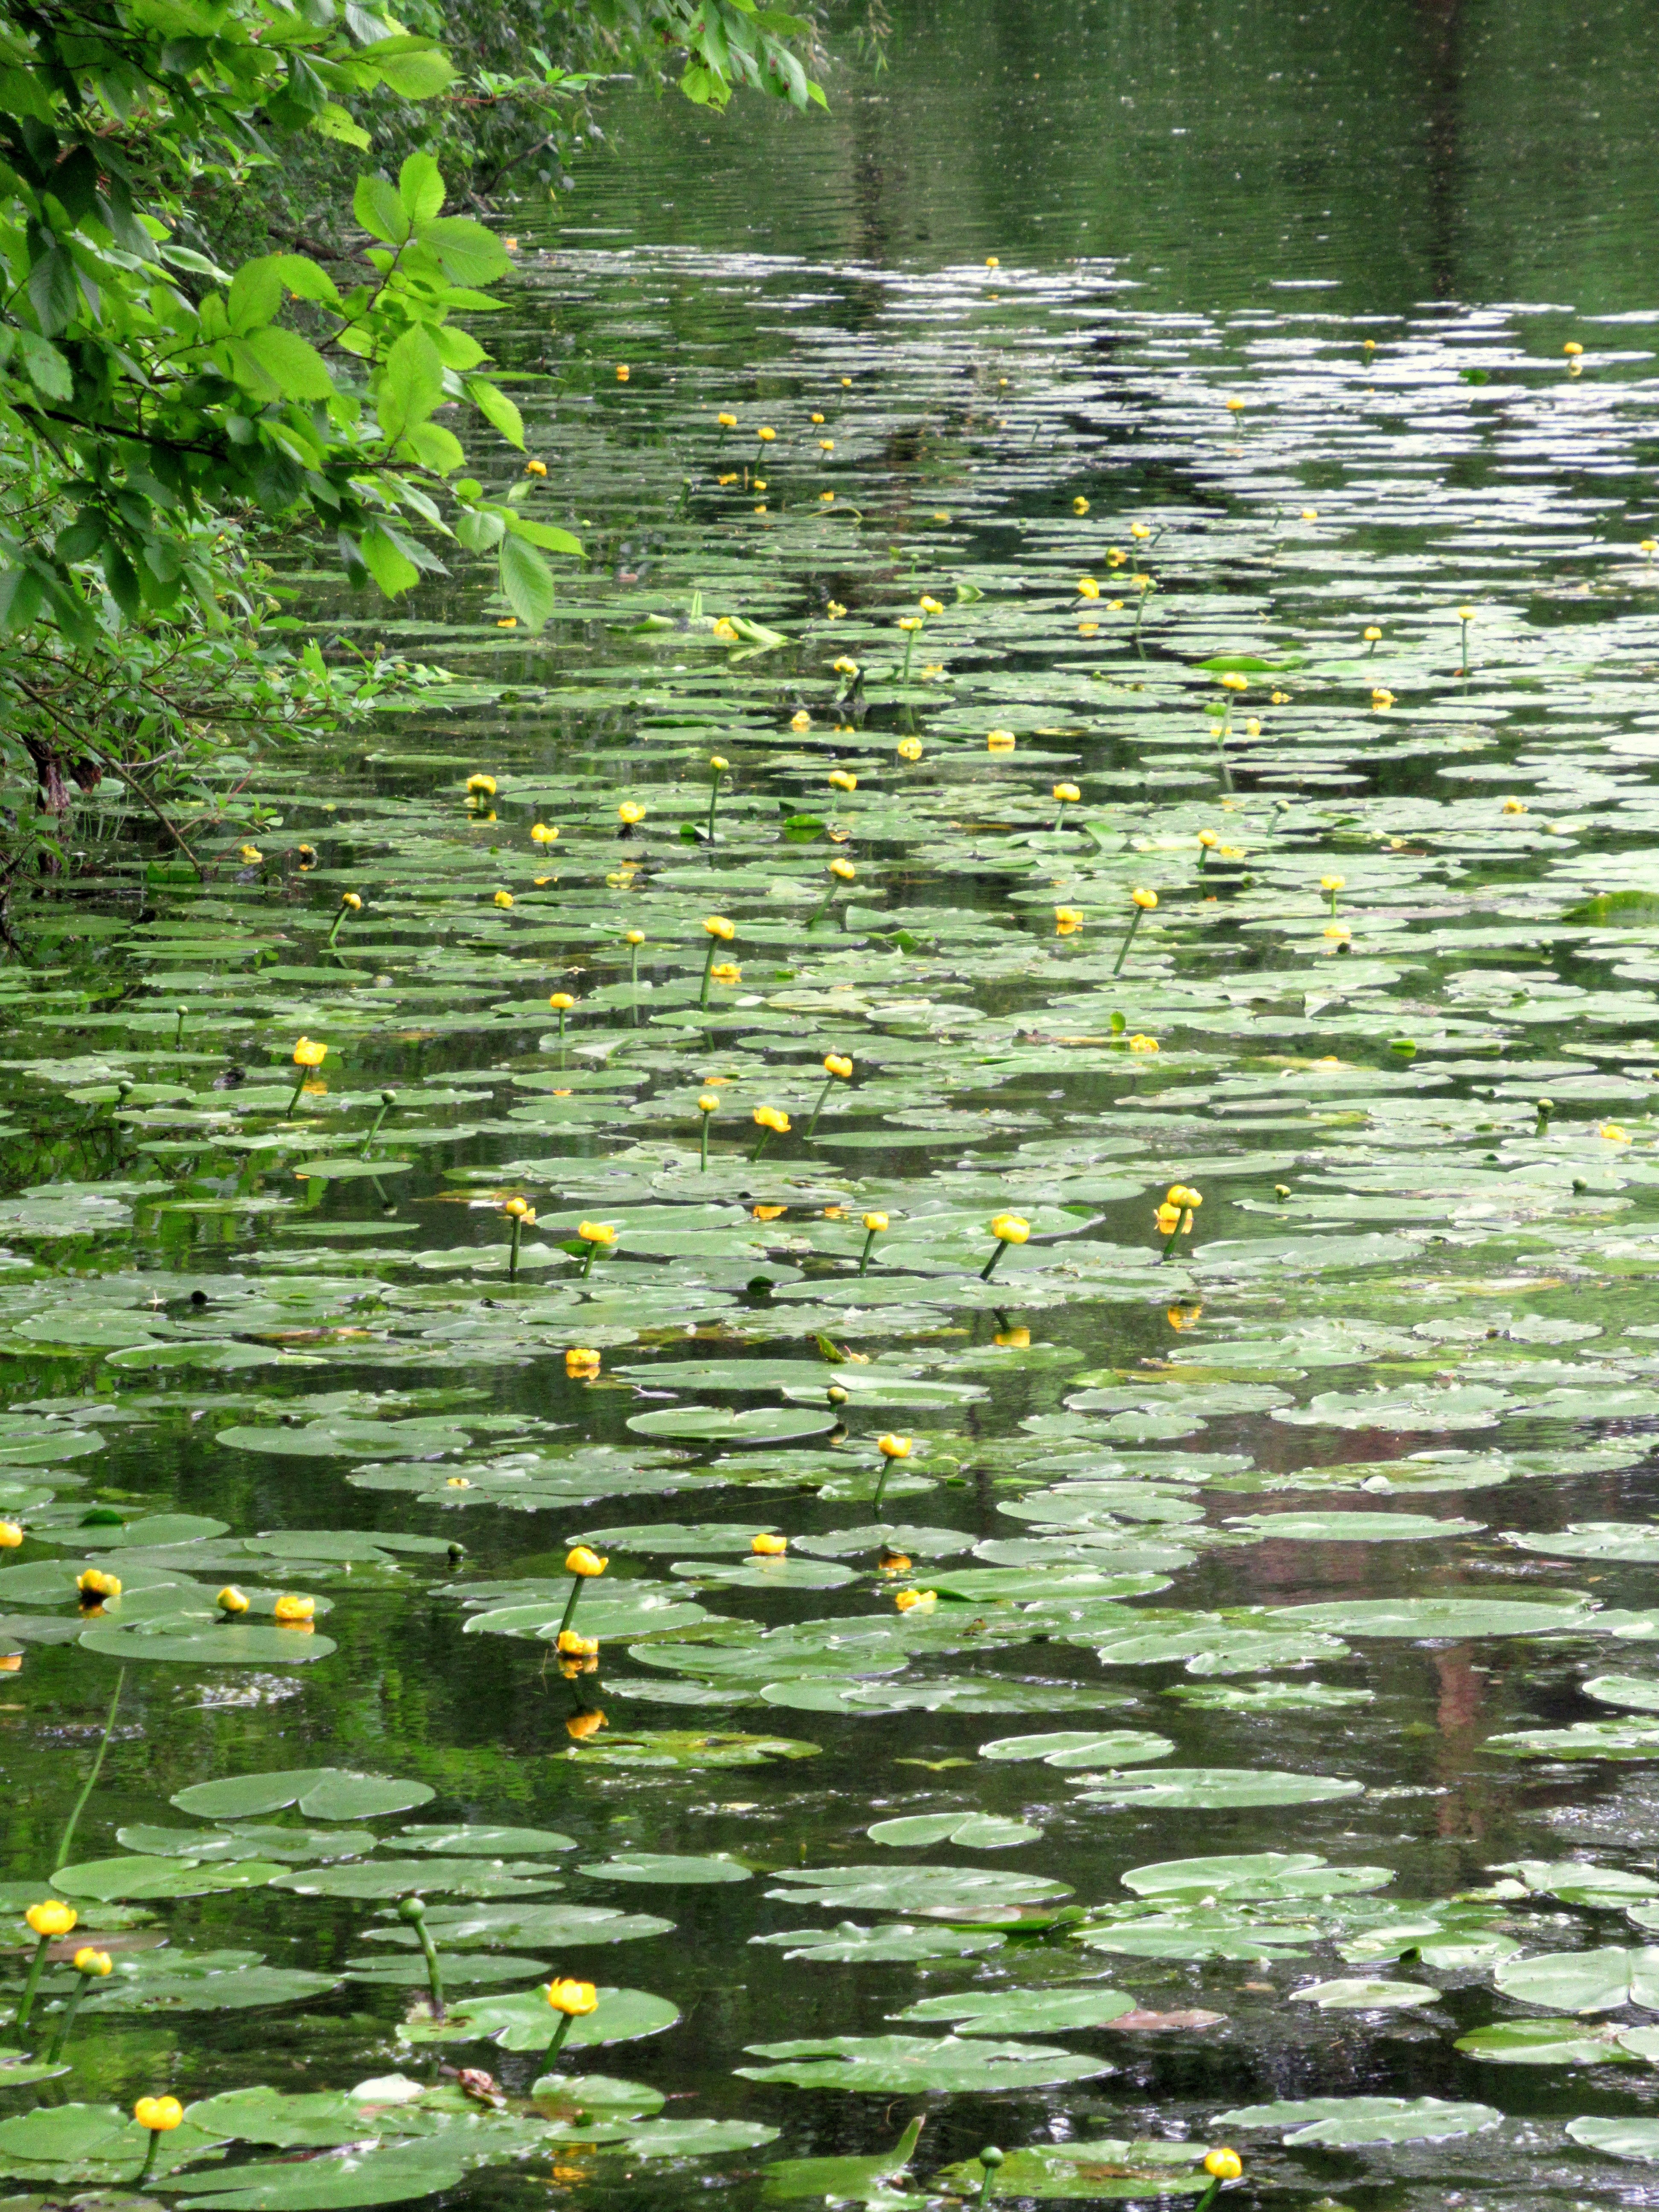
(1397, 151)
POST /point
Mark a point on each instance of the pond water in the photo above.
(1229, 1720)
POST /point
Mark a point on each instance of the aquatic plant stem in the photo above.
(512, 1250)
(147, 2168)
(412, 1911)
(25, 2003)
(829, 1086)
(179, 1029)
(1129, 940)
(702, 1147)
(990, 2159)
(569, 1608)
(714, 801)
(68, 1836)
(1002, 1246)
(287, 1110)
(68, 2021)
(388, 1098)
(864, 1256)
(559, 2035)
(707, 971)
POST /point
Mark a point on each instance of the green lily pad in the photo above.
(897, 2065)
(321, 1793)
(1102, 2170)
(657, 1867)
(1348, 2123)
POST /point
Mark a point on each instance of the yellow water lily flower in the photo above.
(51, 1918)
(160, 2115)
(768, 1547)
(581, 1560)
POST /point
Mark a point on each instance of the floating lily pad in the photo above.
(321, 1793)
(896, 2065)
(1348, 2123)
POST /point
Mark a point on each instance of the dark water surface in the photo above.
(1151, 349)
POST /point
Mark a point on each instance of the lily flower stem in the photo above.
(561, 1015)
(569, 1606)
(910, 651)
(881, 1484)
(985, 1272)
(91, 1783)
(1129, 940)
(984, 2196)
(820, 910)
(433, 1973)
(1204, 2202)
(708, 969)
(1203, 855)
(147, 2168)
(1169, 1246)
(587, 1264)
(559, 2035)
(1370, 648)
(1059, 821)
(513, 1254)
(179, 1031)
(1333, 906)
(703, 1150)
(288, 1111)
(864, 1256)
(760, 1147)
(633, 967)
(335, 931)
(385, 1107)
(68, 2020)
(714, 801)
(828, 1086)
(1140, 614)
(25, 2003)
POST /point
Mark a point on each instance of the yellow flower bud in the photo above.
(843, 870)
(578, 1647)
(596, 1232)
(10, 1535)
(1010, 1228)
(895, 1447)
(309, 1054)
(909, 749)
(95, 1585)
(999, 741)
(481, 786)
(89, 1961)
(51, 1918)
(576, 1998)
(717, 926)
(562, 1002)
(629, 813)
(876, 1224)
(1223, 2165)
(930, 606)
(911, 1601)
(1067, 793)
(768, 1547)
(231, 1600)
(160, 2115)
(580, 1560)
(1144, 900)
(292, 1611)
(708, 1102)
